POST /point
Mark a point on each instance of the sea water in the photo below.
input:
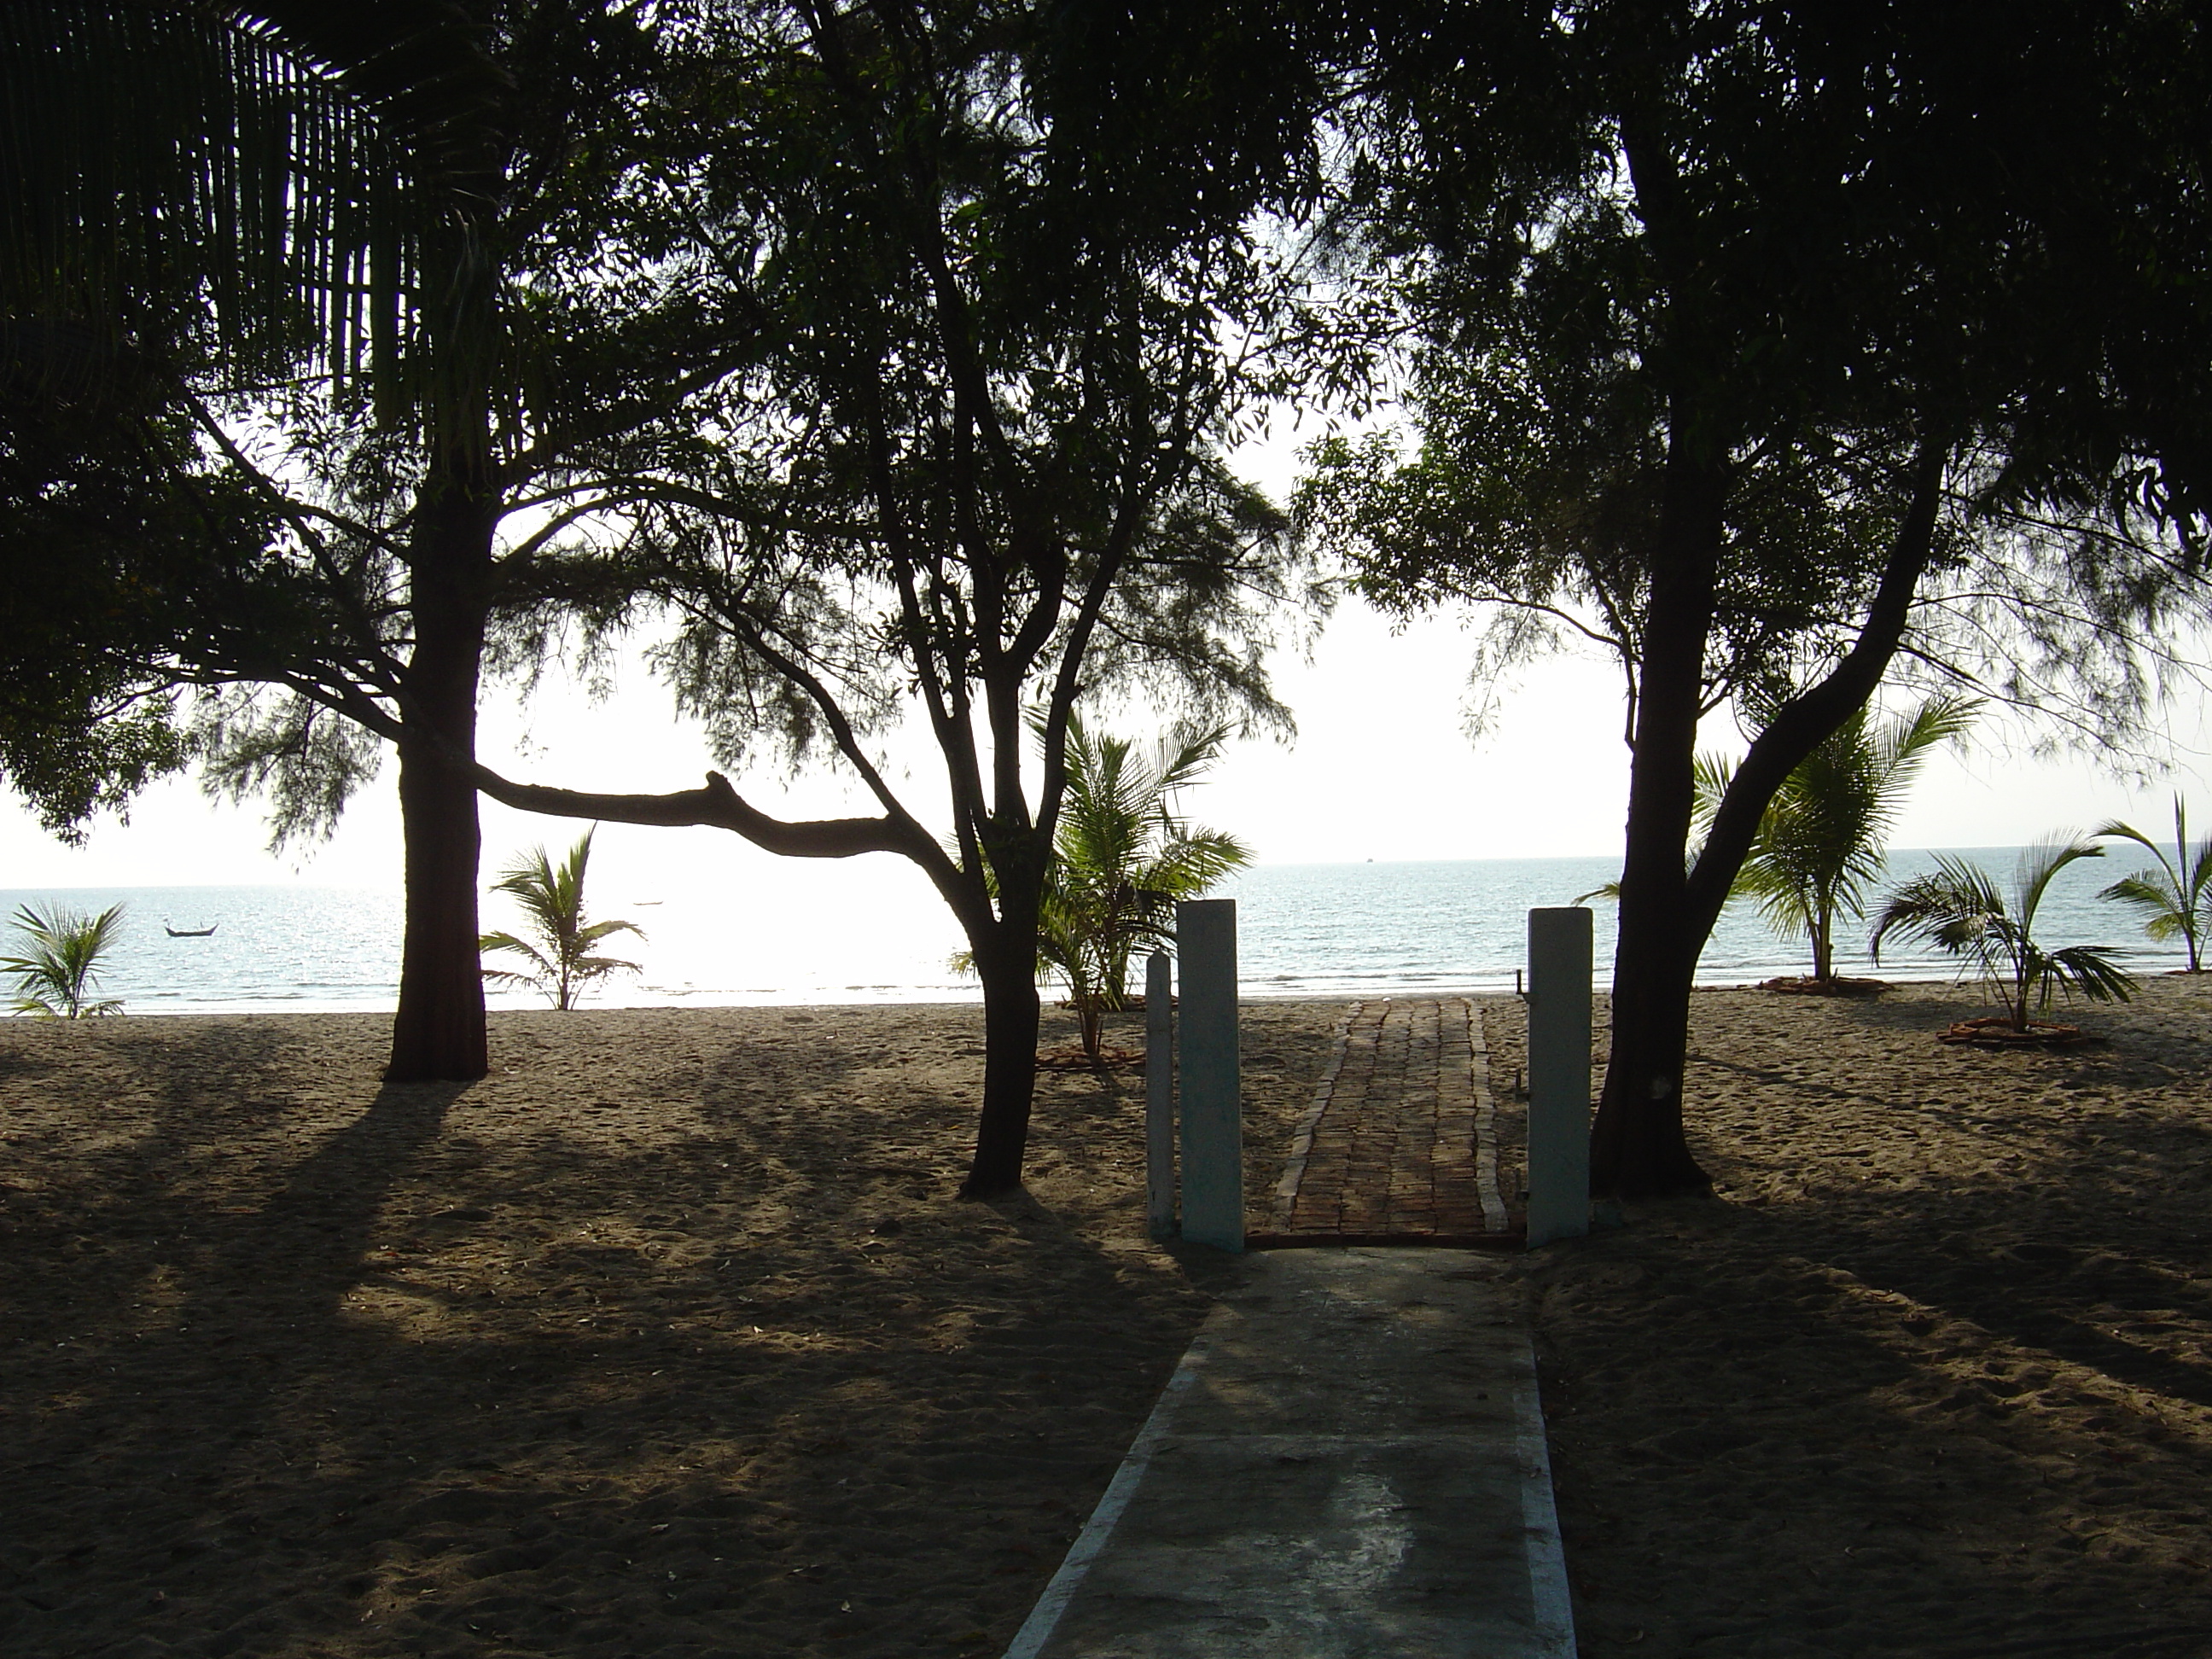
(1327, 930)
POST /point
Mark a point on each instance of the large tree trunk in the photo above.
(1637, 1146)
(439, 1032)
(438, 1035)
(1011, 1015)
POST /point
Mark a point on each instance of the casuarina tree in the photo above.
(1761, 343)
(1012, 263)
(435, 297)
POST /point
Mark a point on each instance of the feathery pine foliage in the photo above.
(1751, 338)
(1959, 909)
(59, 968)
(2174, 899)
(1010, 334)
(560, 951)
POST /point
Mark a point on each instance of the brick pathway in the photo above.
(1401, 1140)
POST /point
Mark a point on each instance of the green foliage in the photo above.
(560, 951)
(56, 975)
(1121, 858)
(1959, 909)
(2174, 899)
(1820, 843)
(107, 517)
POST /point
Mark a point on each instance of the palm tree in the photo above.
(1820, 841)
(56, 975)
(2177, 896)
(1121, 858)
(1959, 909)
(561, 961)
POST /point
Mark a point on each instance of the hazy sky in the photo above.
(1382, 769)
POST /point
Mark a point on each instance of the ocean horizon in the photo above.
(1371, 929)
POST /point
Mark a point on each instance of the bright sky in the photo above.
(1382, 769)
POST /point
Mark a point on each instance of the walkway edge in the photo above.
(1549, 1593)
(1044, 1618)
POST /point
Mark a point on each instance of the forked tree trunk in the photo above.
(438, 1034)
(1637, 1148)
(1636, 1145)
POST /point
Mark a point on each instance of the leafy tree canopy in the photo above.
(1761, 343)
(978, 469)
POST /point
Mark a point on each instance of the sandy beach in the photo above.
(1929, 1375)
(667, 1337)
(670, 1338)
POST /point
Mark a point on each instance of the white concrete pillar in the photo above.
(1559, 1074)
(1211, 1098)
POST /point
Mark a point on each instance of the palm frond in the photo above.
(64, 949)
(276, 171)
(2088, 971)
(2040, 863)
(551, 898)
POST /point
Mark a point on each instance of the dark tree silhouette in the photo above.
(1009, 261)
(1764, 343)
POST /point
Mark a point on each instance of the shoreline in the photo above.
(1479, 993)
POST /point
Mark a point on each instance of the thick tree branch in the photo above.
(1807, 720)
(717, 807)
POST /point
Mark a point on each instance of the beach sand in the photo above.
(670, 1338)
(667, 1337)
(1931, 1374)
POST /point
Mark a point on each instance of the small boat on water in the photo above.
(187, 932)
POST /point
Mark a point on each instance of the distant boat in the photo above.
(644, 904)
(187, 932)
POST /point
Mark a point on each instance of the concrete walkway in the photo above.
(1348, 1464)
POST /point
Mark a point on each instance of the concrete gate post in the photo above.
(1559, 1074)
(1213, 1103)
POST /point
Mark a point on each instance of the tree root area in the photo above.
(1997, 1032)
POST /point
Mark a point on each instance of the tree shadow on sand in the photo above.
(1957, 1406)
(698, 1358)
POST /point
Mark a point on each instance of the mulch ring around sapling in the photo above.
(1836, 986)
(1996, 1031)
